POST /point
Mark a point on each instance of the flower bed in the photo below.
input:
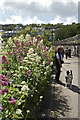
(26, 70)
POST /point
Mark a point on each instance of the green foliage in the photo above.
(66, 32)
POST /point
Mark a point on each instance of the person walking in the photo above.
(58, 63)
(69, 52)
(66, 53)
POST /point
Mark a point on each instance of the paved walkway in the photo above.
(66, 102)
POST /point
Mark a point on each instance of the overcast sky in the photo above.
(38, 11)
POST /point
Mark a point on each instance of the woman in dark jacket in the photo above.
(58, 62)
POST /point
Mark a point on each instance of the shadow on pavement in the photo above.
(60, 103)
(75, 89)
(67, 63)
(54, 102)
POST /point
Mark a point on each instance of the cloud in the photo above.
(12, 20)
(35, 19)
(68, 20)
(64, 10)
(38, 11)
(57, 8)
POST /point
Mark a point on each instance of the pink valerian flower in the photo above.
(40, 54)
(4, 60)
(6, 67)
(46, 49)
(22, 44)
(19, 48)
(6, 90)
(4, 83)
(18, 45)
(0, 91)
(9, 53)
(12, 100)
(32, 38)
(49, 61)
(36, 37)
(20, 57)
(25, 50)
(16, 42)
(45, 54)
(27, 45)
(25, 75)
(21, 52)
(16, 51)
(3, 92)
(4, 79)
(30, 42)
(3, 76)
(28, 72)
(48, 56)
(1, 107)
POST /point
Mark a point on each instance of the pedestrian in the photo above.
(63, 53)
(77, 51)
(58, 62)
(69, 52)
(66, 53)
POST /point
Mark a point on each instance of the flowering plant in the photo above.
(26, 66)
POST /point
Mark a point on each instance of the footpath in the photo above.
(62, 103)
(66, 99)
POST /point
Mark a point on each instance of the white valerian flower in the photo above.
(47, 67)
(32, 59)
(35, 54)
(27, 36)
(45, 73)
(31, 95)
(28, 111)
(51, 63)
(19, 103)
(15, 38)
(19, 92)
(31, 50)
(23, 82)
(41, 97)
(34, 40)
(25, 88)
(29, 62)
(18, 111)
(26, 68)
(25, 58)
(44, 62)
(25, 93)
(41, 42)
(43, 50)
(38, 59)
(36, 91)
(41, 65)
(21, 67)
(21, 37)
